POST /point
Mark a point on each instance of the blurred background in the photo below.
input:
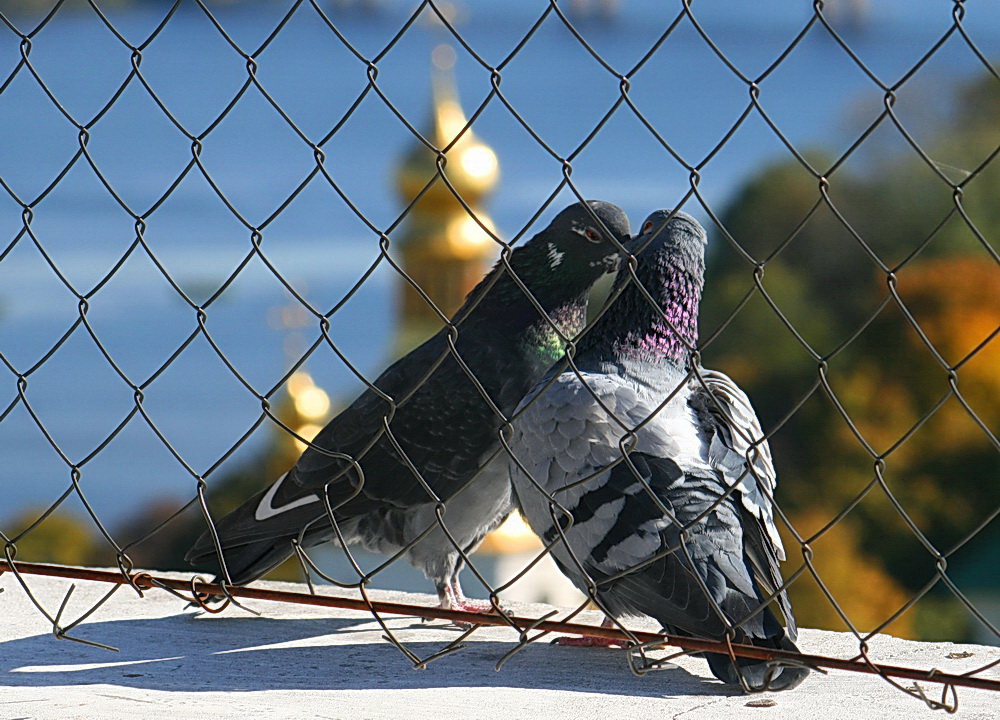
(166, 224)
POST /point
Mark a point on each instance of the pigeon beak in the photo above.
(636, 243)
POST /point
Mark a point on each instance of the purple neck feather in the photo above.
(653, 338)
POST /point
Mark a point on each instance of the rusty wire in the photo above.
(197, 589)
(496, 97)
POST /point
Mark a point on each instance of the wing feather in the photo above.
(737, 446)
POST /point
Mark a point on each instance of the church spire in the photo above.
(443, 249)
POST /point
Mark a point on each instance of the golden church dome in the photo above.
(444, 249)
(471, 166)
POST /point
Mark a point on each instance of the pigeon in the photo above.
(426, 438)
(649, 475)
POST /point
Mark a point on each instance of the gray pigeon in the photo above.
(682, 530)
(384, 487)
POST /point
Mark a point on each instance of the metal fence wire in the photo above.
(893, 390)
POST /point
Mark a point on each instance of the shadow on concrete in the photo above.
(244, 654)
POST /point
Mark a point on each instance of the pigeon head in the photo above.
(670, 265)
(671, 238)
(578, 245)
(558, 266)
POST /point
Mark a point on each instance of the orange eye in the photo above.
(593, 235)
(647, 227)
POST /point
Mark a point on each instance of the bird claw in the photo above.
(589, 641)
(464, 604)
(452, 598)
(473, 606)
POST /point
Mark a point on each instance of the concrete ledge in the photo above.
(307, 662)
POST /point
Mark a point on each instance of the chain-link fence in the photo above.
(197, 204)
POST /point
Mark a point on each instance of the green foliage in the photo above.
(60, 538)
(887, 278)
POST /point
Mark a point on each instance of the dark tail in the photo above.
(759, 674)
(253, 545)
(245, 563)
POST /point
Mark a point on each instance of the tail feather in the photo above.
(253, 547)
(663, 591)
(245, 563)
(759, 674)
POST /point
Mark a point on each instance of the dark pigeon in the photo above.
(443, 440)
(683, 530)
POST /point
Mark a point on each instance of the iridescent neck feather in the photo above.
(670, 335)
(633, 328)
(544, 342)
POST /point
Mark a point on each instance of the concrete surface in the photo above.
(306, 662)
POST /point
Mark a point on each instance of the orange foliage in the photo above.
(867, 595)
(956, 302)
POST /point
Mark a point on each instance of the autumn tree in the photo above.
(860, 311)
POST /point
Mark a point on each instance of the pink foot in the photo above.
(589, 641)
(476, 606)
(453, 599)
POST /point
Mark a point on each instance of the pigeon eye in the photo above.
(593, 235)
(647, 227)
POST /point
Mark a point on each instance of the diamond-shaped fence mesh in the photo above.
(197, 203)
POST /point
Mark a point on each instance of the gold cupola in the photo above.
(442, 247)
(305, 408)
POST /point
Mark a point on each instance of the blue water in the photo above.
(818, 97)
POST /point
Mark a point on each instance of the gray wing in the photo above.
(571, 481)
(564, 440)
(737, 449)
(627, 519)
(736, 445)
